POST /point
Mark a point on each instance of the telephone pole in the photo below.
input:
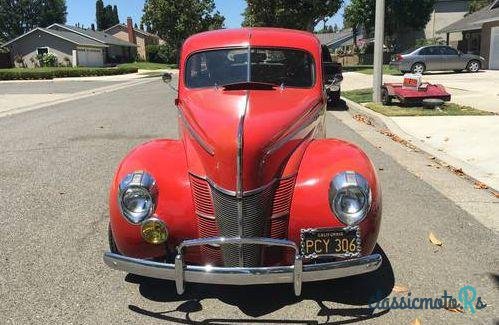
(379, 27)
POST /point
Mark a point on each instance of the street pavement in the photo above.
(56, 165)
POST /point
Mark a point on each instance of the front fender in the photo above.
(324, 159)
(165, 160)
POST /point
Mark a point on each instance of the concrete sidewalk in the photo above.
(466, 143)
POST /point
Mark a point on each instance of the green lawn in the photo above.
(148, 65)
(448, 109)
(386, 70)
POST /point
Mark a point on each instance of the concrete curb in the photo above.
(76, 96)
(381, 122)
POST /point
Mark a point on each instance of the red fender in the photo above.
(324, 159)
(165, 160)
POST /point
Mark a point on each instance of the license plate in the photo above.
(338, 242)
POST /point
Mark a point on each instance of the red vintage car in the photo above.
(252, 192)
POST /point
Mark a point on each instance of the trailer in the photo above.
(413, 96)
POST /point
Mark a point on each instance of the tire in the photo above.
(335, 96)
(386, 99)
(418, 68)
(112, 244)
(474, 66)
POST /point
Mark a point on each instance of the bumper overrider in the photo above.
(295, 274)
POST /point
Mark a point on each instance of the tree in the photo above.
(399, 15)
(115, 16)
(141, 26)
(176, 20)
(476, 5)
(20, 16)
(51, 12)
(106, 16)
(100, 16)
(296, 14)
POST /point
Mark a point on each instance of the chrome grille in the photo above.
(265, 214)
(253, 222)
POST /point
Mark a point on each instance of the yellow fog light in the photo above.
(154, 231)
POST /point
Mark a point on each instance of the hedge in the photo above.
(51, 73)
(347, 68)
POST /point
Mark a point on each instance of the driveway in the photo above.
(54, 220)
(478, 90)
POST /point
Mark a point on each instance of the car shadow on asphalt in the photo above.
(258, 301)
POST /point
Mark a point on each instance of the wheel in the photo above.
(418, 68)
(474, 66)
(112, 243)
(335, 96)
(386, 99)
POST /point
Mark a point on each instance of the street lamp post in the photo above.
(378, 50)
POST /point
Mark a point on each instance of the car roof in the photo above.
(255, 36)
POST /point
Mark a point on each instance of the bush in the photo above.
(164, 53)
(32, 74)
(47, 60)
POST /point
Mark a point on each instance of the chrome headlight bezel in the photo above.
(341, 184)
(138, 181)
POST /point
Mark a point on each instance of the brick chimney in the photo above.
(130, 31)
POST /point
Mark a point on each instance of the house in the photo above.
(133, 35)
(480, 34)
(71, 45)
(342, 39)
(446, 12)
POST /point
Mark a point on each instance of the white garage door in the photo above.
(494, 49)
(90, 57)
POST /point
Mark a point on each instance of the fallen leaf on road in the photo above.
(400, 288)
(428, 136)
(433, 158)
(434, 240)
(446, 139)
(480, 186)
(416, 321)
(363, 119)
(496, 194)
(458, 171)
(381, 168)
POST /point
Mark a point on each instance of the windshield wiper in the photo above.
(250, 85)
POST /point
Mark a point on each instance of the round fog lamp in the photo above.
(154, 231)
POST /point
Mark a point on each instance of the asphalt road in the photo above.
(56, 165)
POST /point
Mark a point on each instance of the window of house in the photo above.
(42, 50)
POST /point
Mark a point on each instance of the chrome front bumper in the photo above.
(296, 274)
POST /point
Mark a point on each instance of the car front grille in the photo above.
(265, 214)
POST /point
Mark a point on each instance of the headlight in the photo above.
(137, 196)
(349, 197)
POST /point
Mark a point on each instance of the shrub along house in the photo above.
(71, 45)
(480, 34)
(137, 36)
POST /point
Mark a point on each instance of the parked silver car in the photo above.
(436, 58)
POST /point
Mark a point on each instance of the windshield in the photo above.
(286, 67)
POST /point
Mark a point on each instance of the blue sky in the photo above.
(83, 11)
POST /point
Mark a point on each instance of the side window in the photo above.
(426, 51)
(450, 51)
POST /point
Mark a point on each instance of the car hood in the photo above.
(241, 139)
